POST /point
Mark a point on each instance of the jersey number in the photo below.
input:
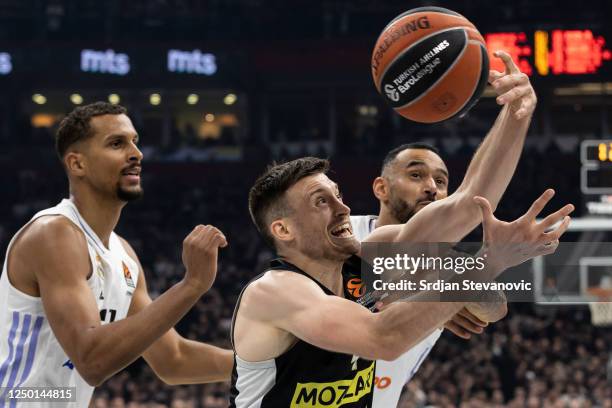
(111, 313)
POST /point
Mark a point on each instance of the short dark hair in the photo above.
(394, 152)
(76, 126)
(267, 196)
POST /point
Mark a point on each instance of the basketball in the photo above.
(430, 64)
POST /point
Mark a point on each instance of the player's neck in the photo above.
(385, 217)
(326, 272)
(101, 214)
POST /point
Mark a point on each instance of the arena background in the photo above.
(218, 89)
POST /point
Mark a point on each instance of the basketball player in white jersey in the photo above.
(413, 176)
(74, 307)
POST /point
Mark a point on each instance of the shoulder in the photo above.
(277, 292)
(52, 231)
(279, 282)
(54, 248)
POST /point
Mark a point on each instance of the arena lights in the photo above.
(155, 99)
(6, 66)
(114, 98)
(192, 62)
(192, 99)
(569, 52)
(39, 99)
(209, 117)
(367, 110)
(76, 99)
(105, 62)
(230, 99)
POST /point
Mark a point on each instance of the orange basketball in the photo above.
(430, 64)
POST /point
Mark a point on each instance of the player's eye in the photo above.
(321, 200)
(415, 175)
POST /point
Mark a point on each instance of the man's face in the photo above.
(415, 178)
(112, 160)
(320, 220)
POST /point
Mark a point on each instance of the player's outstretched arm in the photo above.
(489, 172)
(506, 244)
(334, 323)
(97, 350)
(175, 359)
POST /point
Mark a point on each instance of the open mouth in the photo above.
(342, 231)
(132, 172)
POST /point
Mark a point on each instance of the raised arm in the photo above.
(62, 267)
(489, 172)
(175, 359)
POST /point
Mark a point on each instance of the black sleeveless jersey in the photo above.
(304, 375)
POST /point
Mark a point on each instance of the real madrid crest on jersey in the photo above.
(128, 276)
(99, 269)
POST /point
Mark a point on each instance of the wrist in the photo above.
(193, 286)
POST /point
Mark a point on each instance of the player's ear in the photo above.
(74, 162)
(281, 230)
(380, 188)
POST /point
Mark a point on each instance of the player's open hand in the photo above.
(511, 243)
(513, 87)
(464, 324)
(200, 253)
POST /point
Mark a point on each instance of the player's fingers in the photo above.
(507, 82)
(467, 324)
(557, 233)
(494, 75)
(548, 248)
(456, 330)
(539, 204)
(527, 107)
(221, 240)
(511, 67)
(556, 217)
(472, 317)
(192, 236)
(513, 94)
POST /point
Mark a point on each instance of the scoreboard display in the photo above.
(550, 53)
(596, 176)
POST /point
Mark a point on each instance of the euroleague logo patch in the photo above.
(128, 276)
(355, 287)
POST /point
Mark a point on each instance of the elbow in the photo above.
(91, 376)
(385, 344)
(169, 380)
(166, 375)
(91, 366)
(388, 349)
(93, 371)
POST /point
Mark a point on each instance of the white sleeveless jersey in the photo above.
(30, 355)
(391, 376)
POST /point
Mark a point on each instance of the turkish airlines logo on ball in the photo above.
(392, 93)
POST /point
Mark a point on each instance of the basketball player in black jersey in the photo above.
(297, 341)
